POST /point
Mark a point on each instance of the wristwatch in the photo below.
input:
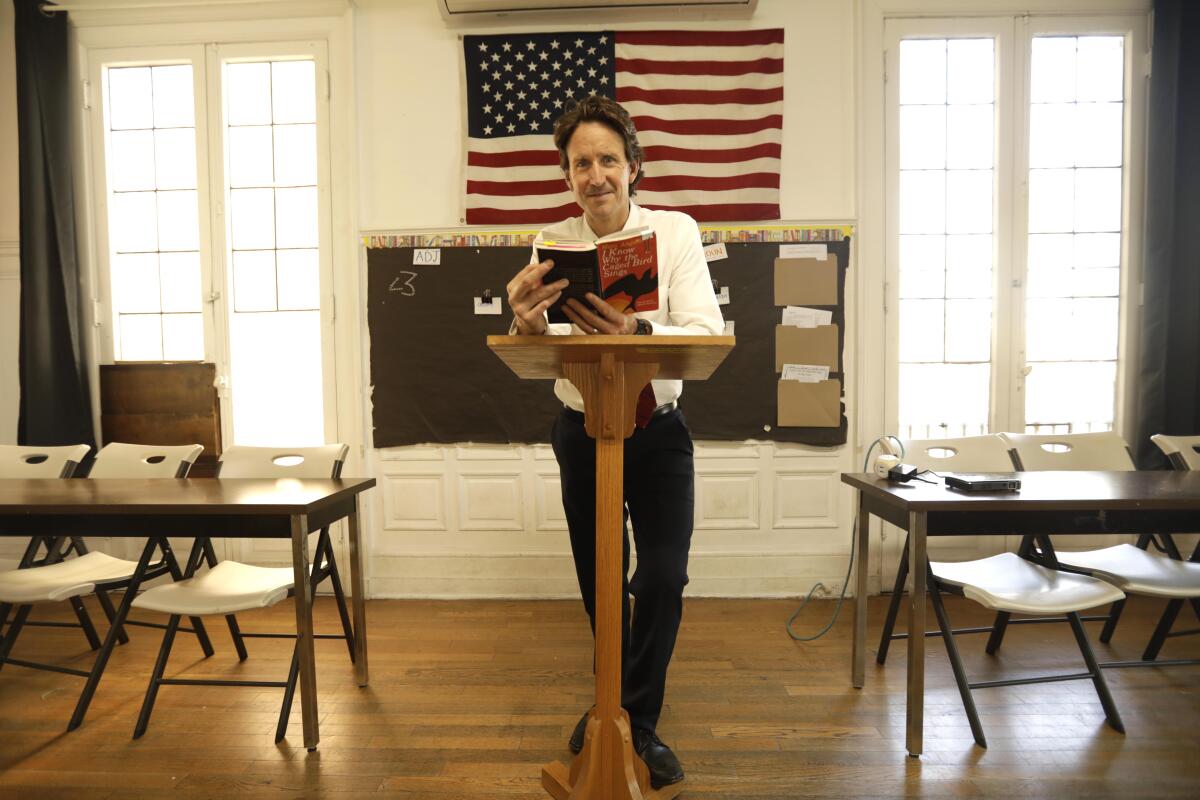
(644, 328)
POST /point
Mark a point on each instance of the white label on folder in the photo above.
(431, 255)
(805, 373)
(817, 251)
(802, 317)
(715, 251)
(723, 296)
(489, 306)
(728, 328)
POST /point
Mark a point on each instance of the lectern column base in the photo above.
(586, 779)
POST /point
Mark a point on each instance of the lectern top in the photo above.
(691, 358)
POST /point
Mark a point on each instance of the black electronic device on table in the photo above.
(983, 482)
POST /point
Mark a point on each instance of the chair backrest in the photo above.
(282, 462)
(1100, 450)
(19, 461)
(967, 454)
(1182, 451)
(120, 460)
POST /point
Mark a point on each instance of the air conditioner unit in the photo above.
(477, 9)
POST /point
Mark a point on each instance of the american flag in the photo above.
(708, 106)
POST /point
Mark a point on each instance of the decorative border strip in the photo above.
(710, 234)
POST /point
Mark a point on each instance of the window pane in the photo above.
(944, 400)
(922, 201)
(1052, 135)
(922, 71)
(131, 157)
(968, 201)
(299, 279)
(1050, 251)
(179, 274)
(969, 266)
(1071, 329)
(248, 94)
(295, 155)
(183, 337)
(922, 266)
(1101, 146)
(1078, 396)
(175, 158)
(1098, 199)
(968, 330)
(1098, 250)
(969, 137)
(173, 106)
(135, 283)
(1051, 200)
(130, 100)
(1052, 73)
(250, 156)
(254, 280)
(922, 137)
(296, 217)
(293, 92)
(178, 221)
(140, 337)
(252, 218)
(133, 222)
(969, 71)
(923, 323)
(276, 375)
(1101, 71)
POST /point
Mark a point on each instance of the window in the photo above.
(238, 279)
(1008, 207)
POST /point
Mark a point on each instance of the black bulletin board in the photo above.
(434, 380)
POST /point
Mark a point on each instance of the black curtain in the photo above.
(1169, 379)
(55, 402)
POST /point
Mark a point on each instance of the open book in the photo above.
(621, 267)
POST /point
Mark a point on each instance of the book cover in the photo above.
(621, 267)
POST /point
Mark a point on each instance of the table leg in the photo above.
(357, 584)
(859, 658)
(304, 632)
(916, 633)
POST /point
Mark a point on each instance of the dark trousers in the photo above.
(659, 501)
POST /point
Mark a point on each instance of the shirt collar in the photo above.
(632, 221)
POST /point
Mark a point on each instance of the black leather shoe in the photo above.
(575, 743)
(664, 767)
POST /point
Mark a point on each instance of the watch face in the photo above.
(643, 327)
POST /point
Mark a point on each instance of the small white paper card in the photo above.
(803, 317)
(723, 296)
(805, 373)
(427, 255)
(728, 328)
(715, 251)
(817, 251)
(491, 306)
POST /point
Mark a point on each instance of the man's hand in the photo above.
(529, 297)
(601, 318)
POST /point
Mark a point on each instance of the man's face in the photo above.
(599, 176)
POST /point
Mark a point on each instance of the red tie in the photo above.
(645, 407)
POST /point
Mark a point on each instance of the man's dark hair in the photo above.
(606, 111)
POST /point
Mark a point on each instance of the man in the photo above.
(602, 163)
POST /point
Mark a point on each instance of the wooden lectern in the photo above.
(609, 372)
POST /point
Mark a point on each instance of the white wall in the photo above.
(10, 223)
(479, 520)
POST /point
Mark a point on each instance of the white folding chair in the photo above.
(91, 572)
(229, 586)
(1134, 570)
(1182, 451)
(1005, 583)
(23, 461)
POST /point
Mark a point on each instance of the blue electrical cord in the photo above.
(849, 567)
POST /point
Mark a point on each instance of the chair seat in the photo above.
(1007, 582)
(228, 587)
(64, 580)
(9, 563)
(1137, 572)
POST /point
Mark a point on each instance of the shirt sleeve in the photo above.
(691, 303)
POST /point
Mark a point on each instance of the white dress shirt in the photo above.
(687, 305)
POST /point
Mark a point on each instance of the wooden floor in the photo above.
(469, 699)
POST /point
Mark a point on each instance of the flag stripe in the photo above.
(671, 183)
(504, 216)
(518, 158)
(518, 202)
(644, 66)
(720, 54)
(654, 169)
(701, 38)
(711, 127)
(554, 186)
(659, 97)
(719, 142)
(716, 197)
(707, 82)
(724, 212)
(718, 112)
(657, 153)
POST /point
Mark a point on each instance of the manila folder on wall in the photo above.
(806, 282)
(810, 405)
